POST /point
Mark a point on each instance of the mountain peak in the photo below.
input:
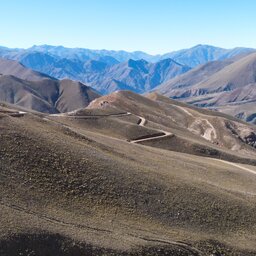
(142, 61)
(137, 64)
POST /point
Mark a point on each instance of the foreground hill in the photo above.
(228, 87)
(80, 183)
(212, 132)
(33, 90)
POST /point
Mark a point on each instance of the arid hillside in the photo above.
(14, 68)
(196, 126)
(36, 91)
(84, 183)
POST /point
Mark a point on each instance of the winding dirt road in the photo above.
(14, 114)
(142, 122)
(235, 165)
(91, 116)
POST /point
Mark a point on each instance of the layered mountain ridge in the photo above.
(110, 72)
(228, 86)
(213, 77)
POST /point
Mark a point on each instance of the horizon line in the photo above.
(122, 50)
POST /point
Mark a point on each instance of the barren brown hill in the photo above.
(45, 95)
(36, 91)
(14, 68)
(205, 131)
(70, 189)
(233, 85)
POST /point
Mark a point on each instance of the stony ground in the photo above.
(70, 190)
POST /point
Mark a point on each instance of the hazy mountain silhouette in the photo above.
(201, 54)
(98, 67)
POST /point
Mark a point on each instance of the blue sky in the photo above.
(154, 26)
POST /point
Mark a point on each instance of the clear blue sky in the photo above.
(154, 26)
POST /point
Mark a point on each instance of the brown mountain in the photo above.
(14, 68)
(228, 88)
(33, 90)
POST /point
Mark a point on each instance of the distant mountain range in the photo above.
(209, 77)
(138, 76)
(108, 71)
(201, 54)
(192, 57)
